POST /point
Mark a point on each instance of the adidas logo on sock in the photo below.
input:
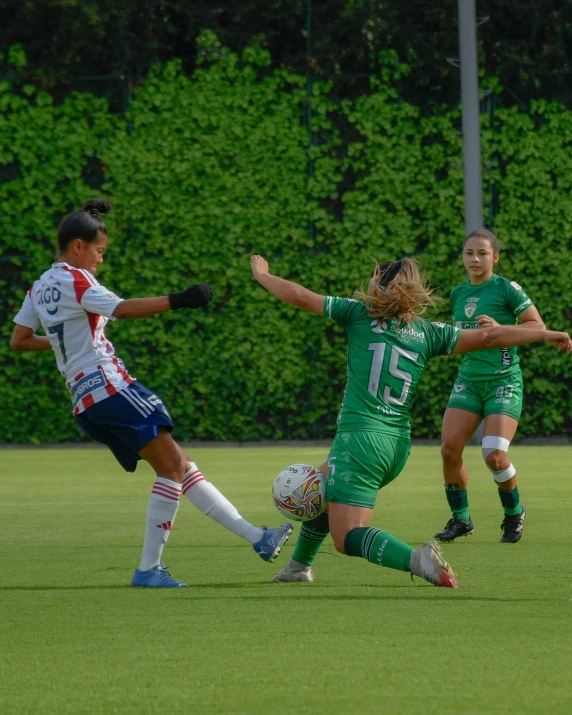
(165, 525)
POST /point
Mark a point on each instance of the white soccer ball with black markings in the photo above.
(299, 492)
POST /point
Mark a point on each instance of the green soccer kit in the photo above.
(489, 381)
(385, 363)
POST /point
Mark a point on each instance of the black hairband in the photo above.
(390, 273)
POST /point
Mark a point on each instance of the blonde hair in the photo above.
(397, 290)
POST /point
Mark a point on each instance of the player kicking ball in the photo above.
(389, 345)
(111, 406)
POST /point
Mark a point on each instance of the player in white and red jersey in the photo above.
(72, 308)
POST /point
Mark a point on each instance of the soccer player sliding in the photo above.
(489, 385)
(389, 345)
(110, 405)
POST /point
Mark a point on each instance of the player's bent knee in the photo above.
(497, 461)
(495, 455)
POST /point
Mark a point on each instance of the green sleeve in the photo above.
(441, 338)
(344, 311)
(517, 299)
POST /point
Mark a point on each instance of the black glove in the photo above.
(196, 296)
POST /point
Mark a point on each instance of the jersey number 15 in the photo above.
(377, 366)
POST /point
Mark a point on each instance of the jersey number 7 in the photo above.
(59, 331)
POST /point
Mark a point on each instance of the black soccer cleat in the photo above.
(455, 528)
(512, 528)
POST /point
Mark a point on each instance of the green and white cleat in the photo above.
(427, 562)
(294, 572)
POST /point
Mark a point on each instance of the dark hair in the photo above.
(387, 271)
(397, 290)
(488, 235)
(84, 224)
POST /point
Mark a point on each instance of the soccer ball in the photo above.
(299, 492)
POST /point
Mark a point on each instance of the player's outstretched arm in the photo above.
(286, 291)
(508, 336)
(196, 296)
(528, 319)
(25, 339)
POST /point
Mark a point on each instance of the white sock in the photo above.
(207, 498)
(161, 512)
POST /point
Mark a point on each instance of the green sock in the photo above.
(378, 547)
(310, 539)
(458, 501)
(510, 501)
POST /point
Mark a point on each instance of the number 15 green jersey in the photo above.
(385, 363)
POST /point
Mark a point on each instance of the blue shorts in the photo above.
(125, 422)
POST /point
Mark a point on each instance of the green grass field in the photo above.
(75, 638)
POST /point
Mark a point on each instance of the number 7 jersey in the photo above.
(385, 363)
(73, 310)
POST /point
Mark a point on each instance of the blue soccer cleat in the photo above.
(270, 545)
(156, 578)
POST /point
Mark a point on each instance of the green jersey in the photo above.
(501, 300)
(385, 362)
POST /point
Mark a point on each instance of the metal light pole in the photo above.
(309, 77)
(470, 115)
(472, 173)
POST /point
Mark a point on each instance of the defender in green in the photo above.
(389, 345)
(488, 386)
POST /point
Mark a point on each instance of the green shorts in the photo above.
(362, 463)
(501, 396)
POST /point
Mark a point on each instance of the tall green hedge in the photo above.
(205, 170)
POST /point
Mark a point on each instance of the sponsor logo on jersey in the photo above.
(49, 295)
(439, 325)
(459, 387)
(387, 410)
(406, 334)
(470, 309)
(87, 384)
(378, 327)
(515, 285)
(506, 359)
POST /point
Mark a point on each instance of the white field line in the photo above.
(69, 503)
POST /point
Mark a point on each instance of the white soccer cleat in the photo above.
(294, 571)
(427, 562)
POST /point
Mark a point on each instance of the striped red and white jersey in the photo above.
(73, 310)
